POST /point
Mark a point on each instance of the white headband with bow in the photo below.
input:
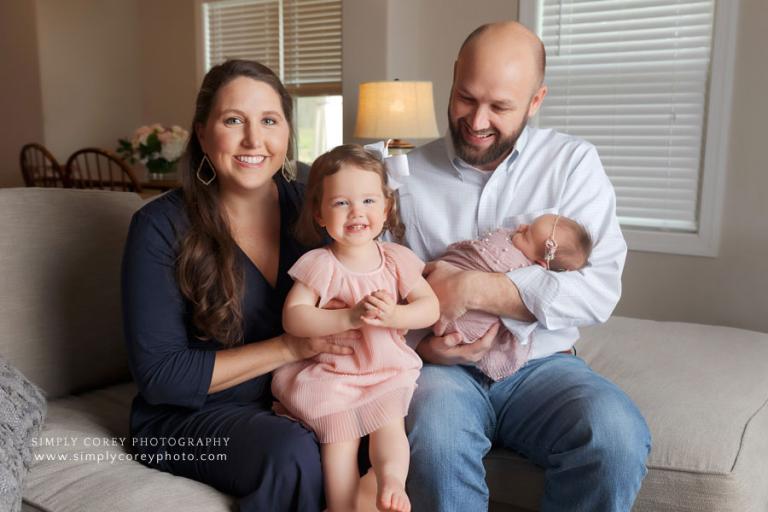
(396, 165)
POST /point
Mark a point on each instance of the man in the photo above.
(493, 171)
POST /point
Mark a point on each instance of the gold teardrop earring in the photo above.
(200, 168)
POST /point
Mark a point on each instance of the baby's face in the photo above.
(530, 238)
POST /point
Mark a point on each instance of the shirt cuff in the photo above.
(537, 288)
(520, 330)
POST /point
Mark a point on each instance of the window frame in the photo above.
(715, 141)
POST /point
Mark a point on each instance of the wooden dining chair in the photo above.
(39, 167)
(101, 169)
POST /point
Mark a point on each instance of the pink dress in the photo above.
(344, 397)
(492, 253)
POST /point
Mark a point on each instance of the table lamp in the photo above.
(396, 110)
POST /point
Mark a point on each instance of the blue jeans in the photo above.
(585, 433)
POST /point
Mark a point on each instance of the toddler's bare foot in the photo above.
(391, 496)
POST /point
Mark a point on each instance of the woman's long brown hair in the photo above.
(208, 268)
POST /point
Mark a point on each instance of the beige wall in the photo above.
(20, 104)
(166, 42)
(364, 52)
(91, 85)
(731, 289)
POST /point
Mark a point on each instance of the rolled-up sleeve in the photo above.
(166, 368)
(588, 296)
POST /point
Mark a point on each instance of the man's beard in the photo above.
(467, 152)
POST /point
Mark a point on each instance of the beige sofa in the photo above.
(702, 389)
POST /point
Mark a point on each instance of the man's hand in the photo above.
(449, 284)
(448, 350)
(460, 290)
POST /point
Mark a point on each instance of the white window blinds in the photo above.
(631, 76)
(300, 40)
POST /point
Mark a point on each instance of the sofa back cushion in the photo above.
(60, 254)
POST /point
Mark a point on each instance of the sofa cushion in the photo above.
(60, 308)
(703, 391)
(81, 463)
(22, 409)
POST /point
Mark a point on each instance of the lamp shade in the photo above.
(396, 109)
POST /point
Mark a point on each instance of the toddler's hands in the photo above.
(380, 307)
(358, 313)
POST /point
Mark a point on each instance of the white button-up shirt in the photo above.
(445, 200)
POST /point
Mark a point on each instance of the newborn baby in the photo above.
(556, 243)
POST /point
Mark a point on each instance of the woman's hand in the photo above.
(298, 349)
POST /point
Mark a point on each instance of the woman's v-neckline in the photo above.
(280, 207)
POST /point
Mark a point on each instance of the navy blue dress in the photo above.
(269, 462)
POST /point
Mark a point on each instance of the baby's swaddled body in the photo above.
(491, 253)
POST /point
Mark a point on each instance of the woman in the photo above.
(204, 280)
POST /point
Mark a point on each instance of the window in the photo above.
(300, 40)
(321, 126)
(647, 82)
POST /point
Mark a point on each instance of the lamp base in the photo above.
(399, 147)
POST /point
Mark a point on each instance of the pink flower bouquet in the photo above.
(157, 147)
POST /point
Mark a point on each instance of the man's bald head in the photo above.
(497, 86)
(509, 36)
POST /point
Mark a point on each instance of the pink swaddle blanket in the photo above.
(491, 253)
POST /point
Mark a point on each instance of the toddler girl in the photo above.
(556, 243)
(345, 397)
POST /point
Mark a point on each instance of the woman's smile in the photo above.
(250, 159)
